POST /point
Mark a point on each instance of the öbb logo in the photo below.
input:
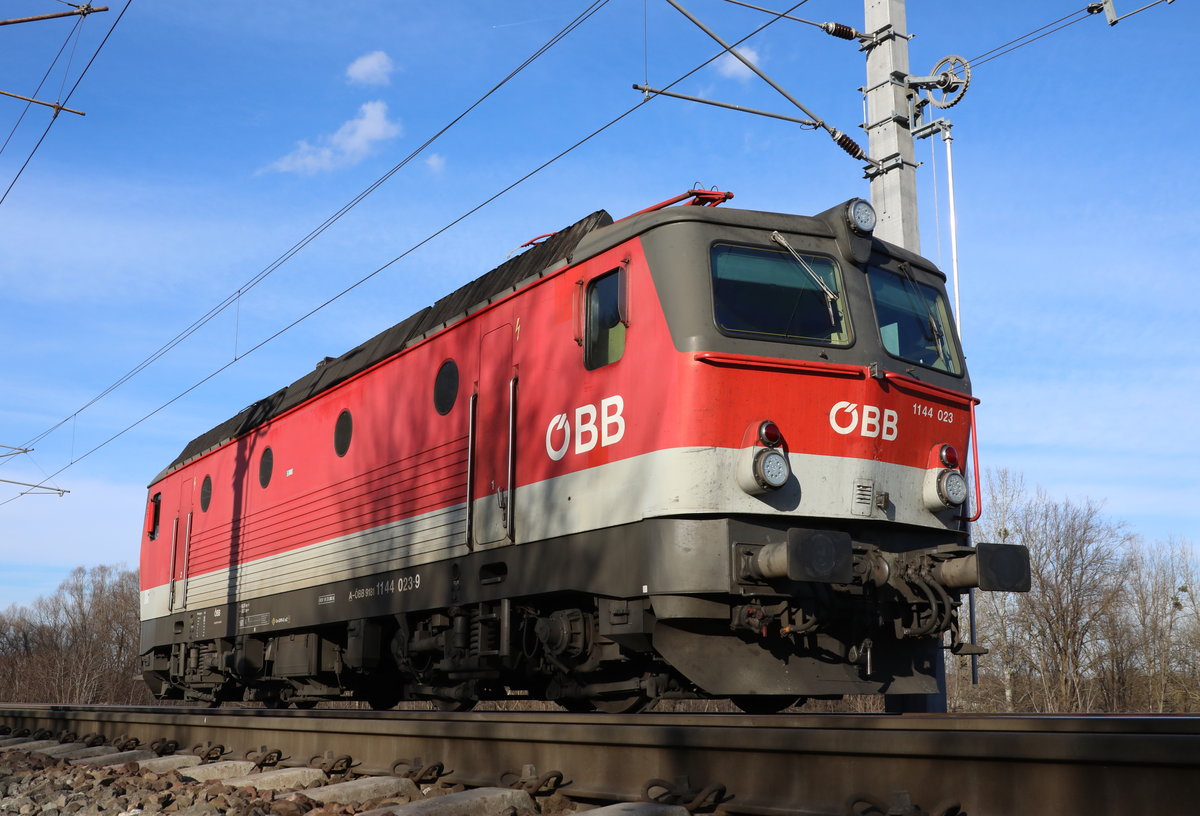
(871, 421)
(603, 425)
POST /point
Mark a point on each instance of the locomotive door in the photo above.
(181, 539)
(495, 412)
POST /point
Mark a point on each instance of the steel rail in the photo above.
(769, 765)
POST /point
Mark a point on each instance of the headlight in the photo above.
(952, 487)
(771, 469)
(861, 216)
(944, 488)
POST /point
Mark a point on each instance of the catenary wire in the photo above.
(1020, 42)
(70, 60)
(1028, 39)
(785, 15)
(38, 89)
(394, 260)
(235, 296)
(67, 99)
(976, 59)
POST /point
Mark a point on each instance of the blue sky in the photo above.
(218, 135)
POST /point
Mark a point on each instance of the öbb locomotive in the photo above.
(698, 451)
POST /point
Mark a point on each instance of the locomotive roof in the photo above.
(509, 276)
(581, 240)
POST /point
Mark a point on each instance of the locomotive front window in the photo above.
(770, 294)
(914, 320)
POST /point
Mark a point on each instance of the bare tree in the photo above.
(1049, 645)
(79, 645)
(1010, 655)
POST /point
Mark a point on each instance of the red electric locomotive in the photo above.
(699, 451)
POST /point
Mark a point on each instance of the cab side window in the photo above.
(604, 337)
(153, 513)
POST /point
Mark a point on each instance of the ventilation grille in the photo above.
(862, 501)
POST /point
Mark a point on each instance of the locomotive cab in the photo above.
(816, 419)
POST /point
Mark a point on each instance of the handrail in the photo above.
(966, 400)
(808, 366)
(974, 442)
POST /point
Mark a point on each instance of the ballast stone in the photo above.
(478, 802)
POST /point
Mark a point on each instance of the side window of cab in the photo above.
(153, 514)
(606, 319)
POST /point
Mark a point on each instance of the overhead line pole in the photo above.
(888, 125)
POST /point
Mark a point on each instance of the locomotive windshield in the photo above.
(769, 294)
(913, 320)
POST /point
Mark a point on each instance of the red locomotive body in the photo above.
(694, 452)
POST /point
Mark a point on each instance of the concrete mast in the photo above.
(889, 129)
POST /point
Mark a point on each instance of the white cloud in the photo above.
(436, 162)
(374, 68)
(352, 143)
(730, 66)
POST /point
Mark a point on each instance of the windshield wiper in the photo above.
(933, 330)
(830, 295)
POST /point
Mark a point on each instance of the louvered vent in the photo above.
(863, 499)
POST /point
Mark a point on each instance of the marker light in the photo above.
(769, 434)
(948, 456)
(861, 216)
(771, 469)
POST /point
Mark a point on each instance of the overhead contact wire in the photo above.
(45, 76)
(975, 60)
(1024, 41)
(54, 117)
(295, 249)
(393, 261)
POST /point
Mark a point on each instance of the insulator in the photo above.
(839, 30)
(849, 145)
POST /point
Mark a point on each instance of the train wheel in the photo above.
(304, 705)
(631, 704)
(384, 700)
(576, 705)
(442, 704)
(621, 705)
(764, 703)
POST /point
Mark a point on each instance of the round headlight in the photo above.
(861, 216)
(952, 488)
(771, 468)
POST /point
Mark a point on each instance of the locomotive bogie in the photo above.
(620, 466)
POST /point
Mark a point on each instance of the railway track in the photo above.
(812, 764)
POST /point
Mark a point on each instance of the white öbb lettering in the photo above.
(871, 421)
(603, 425)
